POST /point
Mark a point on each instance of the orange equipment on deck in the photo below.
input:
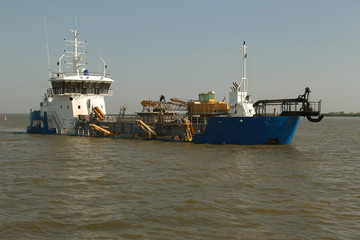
(188, 131)
(206, 106)
(103, 130)
(149, 131)
(99, 115)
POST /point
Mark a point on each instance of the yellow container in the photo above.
(207, 105)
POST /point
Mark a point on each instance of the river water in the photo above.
(59, 187)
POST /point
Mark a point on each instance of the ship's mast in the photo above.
(244, 80)
(77, 56)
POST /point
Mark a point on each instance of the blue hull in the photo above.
(219, 130)
(248, 130)
(39, 124)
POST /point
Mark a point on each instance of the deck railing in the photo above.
(62, 74)
(289, 108)
(163, 119)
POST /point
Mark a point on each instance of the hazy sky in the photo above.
(181, 48)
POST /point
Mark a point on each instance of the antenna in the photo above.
(244, 47)
(47, 47)
(104, 66)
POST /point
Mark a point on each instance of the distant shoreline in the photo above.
(341, 114)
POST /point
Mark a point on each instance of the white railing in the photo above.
(167, 120)
(62, 74)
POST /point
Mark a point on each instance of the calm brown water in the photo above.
(58, 187)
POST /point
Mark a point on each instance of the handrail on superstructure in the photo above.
(63, 74)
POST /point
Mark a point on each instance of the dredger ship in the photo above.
(75, 105)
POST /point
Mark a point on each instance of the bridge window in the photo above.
(87, 87)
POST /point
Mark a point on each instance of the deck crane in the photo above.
(160, 106)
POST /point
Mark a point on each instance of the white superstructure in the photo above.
(240, 102)
(76, 93)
